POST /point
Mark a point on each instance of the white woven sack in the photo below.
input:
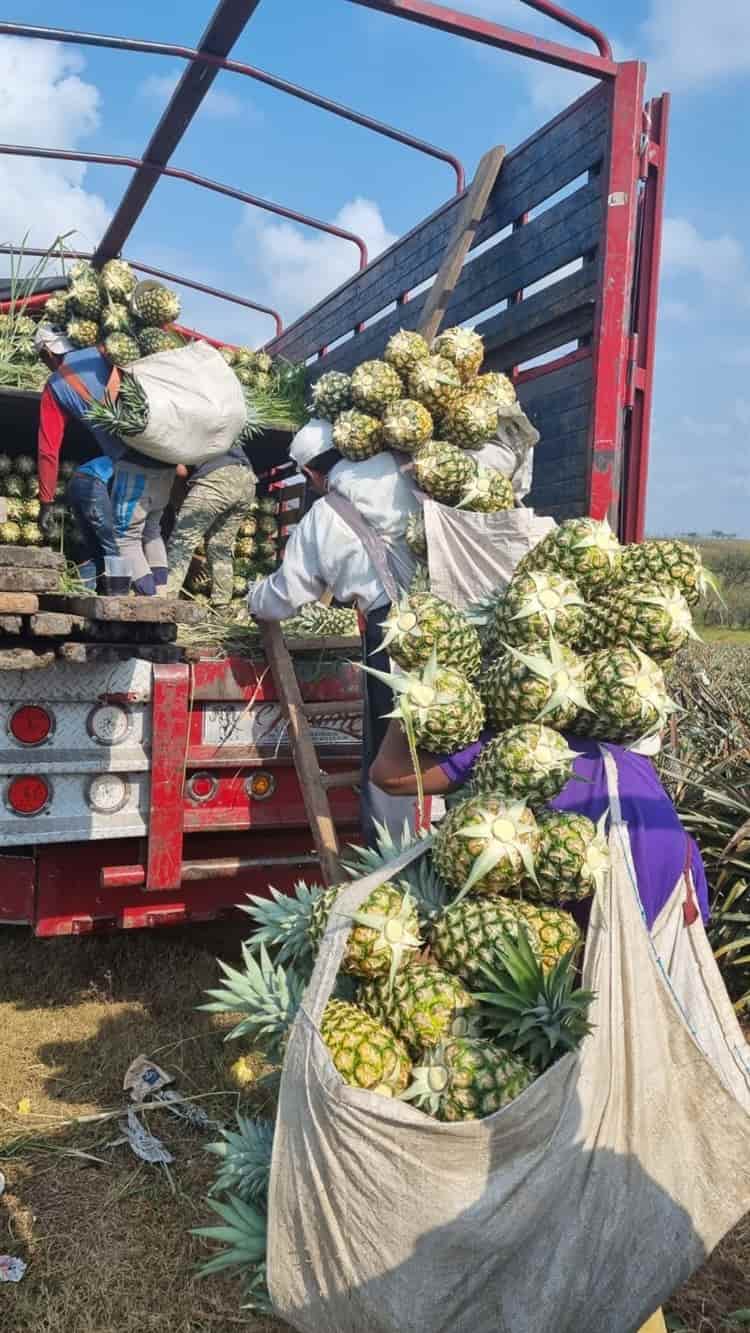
(196, 405)
(578, 1208)
(471, 555)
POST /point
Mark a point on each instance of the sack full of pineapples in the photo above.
(454, 988)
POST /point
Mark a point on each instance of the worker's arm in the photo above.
(296, 582)
(393, 772)
(52, 421)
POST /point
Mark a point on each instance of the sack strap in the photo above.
(333, 944)
(370, 539)
(112, 387)
(690, 908)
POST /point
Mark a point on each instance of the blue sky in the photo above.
(452, 92)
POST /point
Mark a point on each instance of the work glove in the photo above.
(47, 522)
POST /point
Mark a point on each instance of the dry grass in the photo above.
(108, 1244)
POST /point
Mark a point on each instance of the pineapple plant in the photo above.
(537, 1011)
(536, 605)
(331, 395)
(31, 535)
(266, 999)
(436, 384)
(627, 696)
(121, 348)
(464, 349)
(57, 309)
(244, 1155)
(541, 685)
(498, 388)
(85, 299)
(424, 624)
(529, 762)
(10, 533)
(467, 1078)
(487, 844)
(117, 319)
(667, 561)
(407, 425)
(83, 332)
(572, 859)
(655, 619)
(152, 340)
(423, 1005)
(375, 384)
(439, 708)
(404, 349)
(443, 471)
(416, 535)
(584, 549)
(154, 304)
(118, 279)
(357, 436)
(470, 422)
(488, 492)
(383, 931)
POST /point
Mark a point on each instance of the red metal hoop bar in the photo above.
(248, 71)
(601, 66)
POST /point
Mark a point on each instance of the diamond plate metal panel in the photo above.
(69, 817)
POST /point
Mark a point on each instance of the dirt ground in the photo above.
(107, 1240)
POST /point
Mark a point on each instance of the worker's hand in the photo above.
(47, 522)
(181, 471)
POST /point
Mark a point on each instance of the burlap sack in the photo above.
(471, 555)
(196, 405)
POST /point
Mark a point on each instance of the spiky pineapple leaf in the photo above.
(267, 996)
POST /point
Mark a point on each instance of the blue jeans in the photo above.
(89, 499)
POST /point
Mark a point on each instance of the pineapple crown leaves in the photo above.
(598, 534)
(433, 1078)
(549, 597)
(503, 834)
(283, 922)
(245, 1157)
(429, 891)
(125, 416)
(669, 599)
(649, 685)
(243, 1231)
(483, 486)
(267, 996)
(561, 673)
(539, 1010)
(392, 934)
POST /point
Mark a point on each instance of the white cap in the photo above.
(314, 439)
(49, 339)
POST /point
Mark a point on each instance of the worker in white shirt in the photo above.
(352, 542)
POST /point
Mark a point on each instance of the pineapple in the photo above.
(10, 533)
(267, 548)
(266, 999)
(471, 421)
(464, 349)
(424, 624)
(154, 304)
(536, 1010)
(31, 535)
(488, 492)
(443, 471)
(85, 299)
(423, 1005)
(416, 535)
(153, 340)
(465, 1078)
(264, 363)
(407, 425)
(331, 394)
(667, 561)
(57, 309)
(375, 384)
(14, 487)
(536, 605)
(239, 586)
(436, 384)
(536, 686)
(439, 708)
(464, 935)
(82, 269)
(248, 527)
(404, 350)
(118, 279)
(498, 388)
(228, 354)
(24, 465)
(117, 319)
(553, 931)
(31, 510)
(584, 549)
(31, 487)
(268, 525)
(121, 348)
(83, 332)
(6, 464)
(15, 510)
(487, 844)
(530, 763)
(244, 548)
(655, 619)
(627, 695)
(245, 356)
(383, 930)
(267, 505)
(357, 436)
(572, 859)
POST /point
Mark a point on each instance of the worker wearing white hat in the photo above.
(352, 542)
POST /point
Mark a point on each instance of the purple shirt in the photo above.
(659, 843)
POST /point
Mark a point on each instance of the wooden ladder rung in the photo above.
(351, 778)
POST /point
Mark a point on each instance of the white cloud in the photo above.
(298, 267)
(716, 259)
(218, 104)
(44, 101)
(692, 45)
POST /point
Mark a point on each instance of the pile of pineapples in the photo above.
(431, 403)
(113, 309)
(19, 487)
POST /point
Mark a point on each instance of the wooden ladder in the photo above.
(314, 784)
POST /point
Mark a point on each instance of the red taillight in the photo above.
(27, 796)
(30, 724)
(202, 787)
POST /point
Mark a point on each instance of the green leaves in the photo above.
(266, 995)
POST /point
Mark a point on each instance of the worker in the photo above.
(352, 542)
(140, 486)
(220, 496)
